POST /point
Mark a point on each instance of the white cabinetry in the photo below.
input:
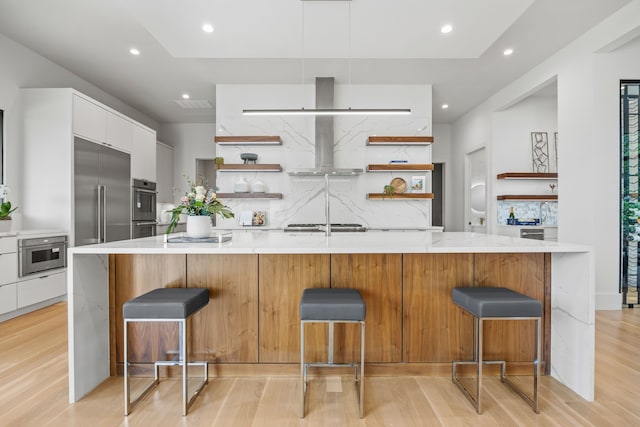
(8, 273)
(51, 119)
(89, 119)
(164, 172)
(41, 288)
(143, 154)
(119, 132)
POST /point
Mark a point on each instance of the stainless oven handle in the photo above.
(141, 190)
(104, 214)
(99, 214)
(138, 224)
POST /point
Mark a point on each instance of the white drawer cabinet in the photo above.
(33, 291)
(89, 119)
(8, 298)
(8, 268)
(8, 245)
(8, 260)
(119, 131)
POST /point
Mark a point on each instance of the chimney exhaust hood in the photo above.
(324, 135)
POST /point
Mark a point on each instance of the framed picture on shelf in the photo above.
(418, 184)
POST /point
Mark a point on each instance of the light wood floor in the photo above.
(33, 390)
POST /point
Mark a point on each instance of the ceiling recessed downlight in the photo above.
(507, 52)
(446, 29)
(207, 28)
(185, 96)
(134, 51)
(445, 106)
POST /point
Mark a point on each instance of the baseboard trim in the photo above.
(608, 301)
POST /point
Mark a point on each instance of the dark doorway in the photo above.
(437, 187)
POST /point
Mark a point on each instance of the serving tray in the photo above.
(183, 238)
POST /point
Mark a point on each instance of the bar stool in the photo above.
(165, 305)
(497, 304)
(330, 305)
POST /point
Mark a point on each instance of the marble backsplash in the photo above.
(303, 198)
(547, 212)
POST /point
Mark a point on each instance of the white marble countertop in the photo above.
(34, 234)
(274, 242)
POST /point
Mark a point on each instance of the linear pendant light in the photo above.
(328, 111)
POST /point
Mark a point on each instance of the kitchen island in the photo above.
(256, 279)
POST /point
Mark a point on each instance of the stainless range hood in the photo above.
(324, 136)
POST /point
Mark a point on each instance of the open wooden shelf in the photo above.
(248, 140)
(249, 167)
(400, 167)
(400, 140)
(528, 197)
(249, 195)
(400, 196)
(528, 175)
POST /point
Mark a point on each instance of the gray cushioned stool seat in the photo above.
(166, 303)
(496, 302)
(332, 304)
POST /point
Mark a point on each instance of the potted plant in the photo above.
(200, 204)
(5, 209)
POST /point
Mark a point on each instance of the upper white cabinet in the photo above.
(164, 172)
(119, 132)
(143, 154)
(89, 119)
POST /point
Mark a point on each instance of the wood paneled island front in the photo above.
(251, 324)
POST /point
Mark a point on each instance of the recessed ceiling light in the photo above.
(445, 106)
(446, 29)
(507, 52)
(185, 96)
(134, 51)
(207, 28)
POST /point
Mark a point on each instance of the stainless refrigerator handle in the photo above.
(104, 214)
(99, 213)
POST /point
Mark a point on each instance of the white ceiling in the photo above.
(259, 41)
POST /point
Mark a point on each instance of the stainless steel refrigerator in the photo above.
(102, 193)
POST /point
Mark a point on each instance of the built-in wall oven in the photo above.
(144, 208)
(40, 254)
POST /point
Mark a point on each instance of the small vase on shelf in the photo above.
(5, 225)
(198, 226)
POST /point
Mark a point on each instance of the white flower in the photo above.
(4, 191)
(191, 195)
(200, 197)
(200, 190)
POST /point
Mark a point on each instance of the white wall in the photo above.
(20, 68)
(441, 152)
(588, 126)
(511, 148)
(190, 141)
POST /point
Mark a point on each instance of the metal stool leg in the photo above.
(183, 361)
(303, 372)
(478, 360)
(361, 397)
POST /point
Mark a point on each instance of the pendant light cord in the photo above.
(303, 6)
(349, 53)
